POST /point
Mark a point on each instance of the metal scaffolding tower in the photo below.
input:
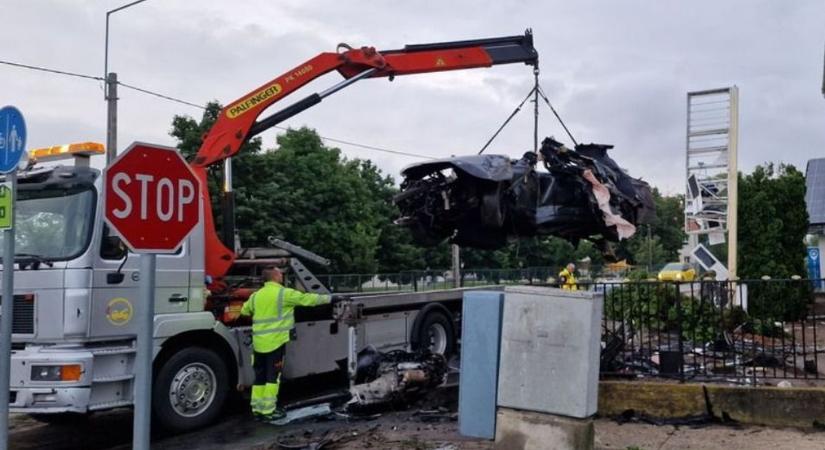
(711, 169)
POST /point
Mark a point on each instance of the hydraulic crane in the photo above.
(238, 121)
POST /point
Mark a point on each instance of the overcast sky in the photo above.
(618, 72)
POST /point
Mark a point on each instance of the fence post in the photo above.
(680, 341)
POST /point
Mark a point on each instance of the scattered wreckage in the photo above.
(481, 201)
(393, 378)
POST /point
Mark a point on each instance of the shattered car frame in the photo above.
(481, 201)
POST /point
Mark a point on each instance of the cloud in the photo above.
(618, 72)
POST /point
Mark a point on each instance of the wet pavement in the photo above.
(404, 430)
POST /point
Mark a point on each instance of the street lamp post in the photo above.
(110, 91)
(142, 415)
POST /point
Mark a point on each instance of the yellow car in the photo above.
(677, 272)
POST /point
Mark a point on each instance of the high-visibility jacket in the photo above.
(568, 280)
(273, 314)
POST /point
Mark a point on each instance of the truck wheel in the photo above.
(190, 389)
(435, 334)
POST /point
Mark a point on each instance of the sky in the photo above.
(617, 71)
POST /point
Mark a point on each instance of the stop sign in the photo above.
(151, 198)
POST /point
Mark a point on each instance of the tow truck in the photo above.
(76, 284)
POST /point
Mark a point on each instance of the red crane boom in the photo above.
(239, 122)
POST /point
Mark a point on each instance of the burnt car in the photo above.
(481, 201)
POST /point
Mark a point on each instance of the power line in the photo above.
(46, 69)
(159, 95)
(368, 147)
(194, 105)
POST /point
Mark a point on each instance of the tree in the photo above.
(303, 192)
(773, 222)
(667, 235)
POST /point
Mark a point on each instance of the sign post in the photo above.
(814, 267)
(152, 200)
(12, 145)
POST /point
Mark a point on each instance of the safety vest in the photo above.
(569, 280)
(273, 314)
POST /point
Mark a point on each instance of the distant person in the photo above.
(567, 278)
(272, 310)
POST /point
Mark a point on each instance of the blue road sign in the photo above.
(12, 138)
(814, 267)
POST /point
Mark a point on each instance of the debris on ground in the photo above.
(393, 378)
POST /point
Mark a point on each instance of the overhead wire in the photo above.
(46, 69)
(194, 105)
(159, 95)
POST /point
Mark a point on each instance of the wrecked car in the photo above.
(482, 201)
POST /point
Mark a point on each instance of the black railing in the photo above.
(428, 280)
(739, 331)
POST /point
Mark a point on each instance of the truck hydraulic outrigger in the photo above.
(237, 122)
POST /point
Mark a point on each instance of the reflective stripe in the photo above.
(320, 299)
(281, 303)
(273, 319)
(271, 330)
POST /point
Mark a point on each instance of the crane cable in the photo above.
(535, 92)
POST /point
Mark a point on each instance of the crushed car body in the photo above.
(482, 201)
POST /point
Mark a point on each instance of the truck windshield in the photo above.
(53, 224)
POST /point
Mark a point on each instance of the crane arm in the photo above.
(238, 121)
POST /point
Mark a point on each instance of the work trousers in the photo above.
(268, 368)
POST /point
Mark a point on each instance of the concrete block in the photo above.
(661, 400)
(551, 339)
(480, 337)
(526, 430)
(771, 406)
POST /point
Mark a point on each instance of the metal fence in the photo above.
(427, 280)
(742, 332)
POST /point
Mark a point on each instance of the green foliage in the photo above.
(659, 242)
(660, 307)
(773, 223)
(306, 193)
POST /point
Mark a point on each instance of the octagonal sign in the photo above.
(151, 198)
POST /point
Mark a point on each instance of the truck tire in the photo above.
(190, 389)
(434, 332)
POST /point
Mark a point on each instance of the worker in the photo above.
(567, 278)
(272, 308)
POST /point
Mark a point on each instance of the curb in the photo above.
(770, 406)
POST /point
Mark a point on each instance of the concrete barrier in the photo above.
(771, 406)
(779, 407)
(663, 400)
(527, 430)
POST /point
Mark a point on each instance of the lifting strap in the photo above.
(535, 92)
